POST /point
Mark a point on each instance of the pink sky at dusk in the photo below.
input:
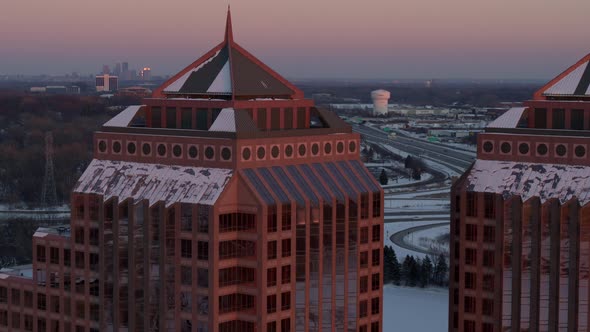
(302, 39)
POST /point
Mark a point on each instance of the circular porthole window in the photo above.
(523, 148)
(315, 149)
(505, 147)
(102, 146)
(302, 150)
(177, 151)
(246, 154)
(193, 152)
(289, 150)
(542, 149)
(117, 147)
(488, 147)
(260, 153)
(352, 147)
(226, 154)
(274, 152)
(580, 151)
(131, 148)
(328, 148)
(161, 150)
(561, 150)
(209, 153)
(340, 147)
(146, 148)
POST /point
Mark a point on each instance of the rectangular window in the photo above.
(470, 280)
(540, 118)
(489, 234)
(558, 118)
(375, 306)
(375, 281)
(271, 277)
(364, 284)
(41, 301)
(271, 327)
(471, 232)
(376, 205)
(186, 217)
(186, 248)
(488, 258)
(79, 235)
(80, 260)
(15, 296)
(271, 219)
(364, 259)
(487, 307)
(469, 326)
(364, 235)
(67, 257)
(469, 304)
(275, 118)
(376, 257)
(202, 119)
(186, 275)
(489, 205)
(156, 117)
(232, 222)
(3, 295)
(286, 217)
(16, 320)
(272, 250)
(577, 120)
(375, 327)
(203, 278)
(261, 118)
(286, 301)
(301, 115)
(288, 113)
(286, 325)
(471, 205)
(203, 250)
(487, 327)
(488, 282)
(376, 233)
(271, 304)
(41, 253)
(470, 256)
(171, 117)
(286, 274)
(187, 118)
(54, 304)
(286, 248)
(363, 309)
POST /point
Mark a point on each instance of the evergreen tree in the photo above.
(414, 273)
(396, 270)
(405, 270)
(388, 256)
(426, 272)
(383, 179)
(441, 269)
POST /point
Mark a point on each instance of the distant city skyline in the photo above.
(329, 39)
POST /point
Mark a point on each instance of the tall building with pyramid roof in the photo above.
(225, 202)
(520, 218)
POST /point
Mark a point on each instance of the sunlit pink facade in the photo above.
(520, 218)
(226, 202)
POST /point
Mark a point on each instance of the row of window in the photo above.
(289, 150)
(165, 150)
(79, 236)
(271, 275)
(236, 302)
(363, 307)
(374, 327)
(79, 257)
(202, 277)
(271, 302)
(26, 322)
(542, 149)
(375, 258)
(471, 256)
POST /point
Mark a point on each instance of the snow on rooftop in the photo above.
(568, 84)
(527, 180)
(222, 83)
(124, 118)
(177, 85)
(509, 119)
(225, 121)
(153, 182)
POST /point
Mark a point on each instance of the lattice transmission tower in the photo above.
(49, 193)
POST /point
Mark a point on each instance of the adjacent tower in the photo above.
(226, 202)
(520, 227)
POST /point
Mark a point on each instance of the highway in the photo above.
(457, 160)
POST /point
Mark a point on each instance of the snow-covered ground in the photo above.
(415, 309)
(430, 239)
(411, 204)
(394, 227)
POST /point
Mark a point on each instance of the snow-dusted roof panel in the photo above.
(225, 121)
(509, 119)
(153, 182)
(568, 84)
(527, 180)
(222, 83)
(124, 118)
(177, 85)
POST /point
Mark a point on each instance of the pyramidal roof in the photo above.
(228, 71)
(574, 82)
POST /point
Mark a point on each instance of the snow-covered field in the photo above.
(394, 227)
(407, 309)
(411, 204)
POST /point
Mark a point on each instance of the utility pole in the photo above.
(49, 193)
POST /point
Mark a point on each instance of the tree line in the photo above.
(413, 271)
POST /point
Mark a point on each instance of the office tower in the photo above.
(216, 205)
(520, 231)
(380, 101)
(107, 83)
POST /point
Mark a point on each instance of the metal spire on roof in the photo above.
(229, 35)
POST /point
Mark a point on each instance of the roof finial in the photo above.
(229, 35)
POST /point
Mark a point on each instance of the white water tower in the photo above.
(380, 101)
